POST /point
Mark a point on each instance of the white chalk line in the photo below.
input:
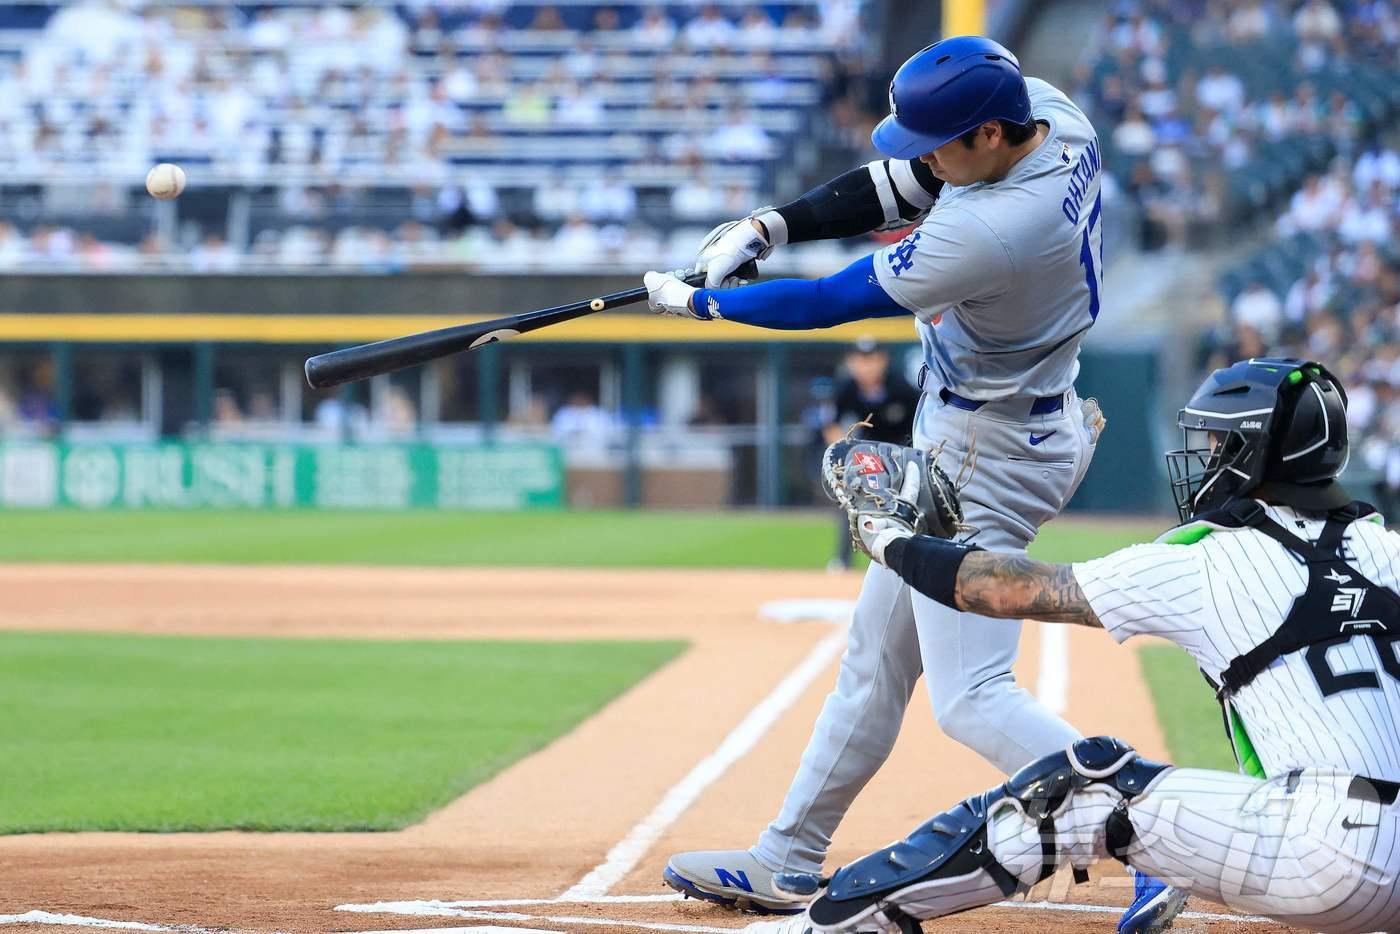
(475, 908)
(475, 929)
(1052, 681)
(627, 852)
(440, 910)
(48, 917)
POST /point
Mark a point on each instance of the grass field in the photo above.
(1186, 709)
(537, 539)
(173, 733)
(166, 733)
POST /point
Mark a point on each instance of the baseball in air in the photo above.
(165, 181)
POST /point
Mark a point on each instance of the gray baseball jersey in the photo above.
(1004, 277)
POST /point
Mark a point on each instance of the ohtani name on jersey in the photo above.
(1080, 176)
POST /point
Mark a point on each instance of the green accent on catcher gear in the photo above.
(1245, 754)
(1187, 534)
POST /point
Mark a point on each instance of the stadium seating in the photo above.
(460, 111)
(1227, 127)
(1332, 291)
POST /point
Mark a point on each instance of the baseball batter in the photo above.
(1003, 277)
(1287, 595)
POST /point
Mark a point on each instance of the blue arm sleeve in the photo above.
(800, 304)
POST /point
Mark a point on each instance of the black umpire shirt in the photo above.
(890, 411)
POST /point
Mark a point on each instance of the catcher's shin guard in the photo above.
(949, 865)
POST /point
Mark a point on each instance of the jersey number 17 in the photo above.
(1093, 272)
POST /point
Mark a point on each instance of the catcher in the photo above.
(1281, 588)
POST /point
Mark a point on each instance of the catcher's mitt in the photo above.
(888, 488)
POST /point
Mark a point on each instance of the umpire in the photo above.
(870, 393)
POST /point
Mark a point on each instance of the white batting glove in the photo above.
(726, 248)
(668, 295)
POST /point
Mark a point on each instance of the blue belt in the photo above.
(1045, 405)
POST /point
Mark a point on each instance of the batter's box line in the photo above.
(475, 909)
(82, 921)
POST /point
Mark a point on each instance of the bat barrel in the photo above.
(351, 363)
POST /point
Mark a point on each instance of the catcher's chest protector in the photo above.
(1339, 604)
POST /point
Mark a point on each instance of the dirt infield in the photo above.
(565, 821)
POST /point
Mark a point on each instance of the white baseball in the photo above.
(165, 181)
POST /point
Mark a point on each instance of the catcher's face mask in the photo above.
(1208, 470)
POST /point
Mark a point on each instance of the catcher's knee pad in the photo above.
(954, 844)
(1044, 788)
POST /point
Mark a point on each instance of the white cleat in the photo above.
(730, 878)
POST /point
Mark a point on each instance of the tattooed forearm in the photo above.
(1015, 587)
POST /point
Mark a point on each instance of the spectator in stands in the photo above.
(654, 30)
(608, 198)
(1259, 308)
(1250, 20)
(578, 106)
(1317, 22)
(1136, 33)
(226, 413)
(12, 246)
(214, 254)
(1134, 135)
(580, 419)
(1220, 90)
(1367, 216)
(1306, 297)
(756, 30)
(709, 30)
(739, 137)
(397, 416)
(38, 404)
(1315, 206)
(576, 243)
(527, 105)
(547, 19)
(1377, 163)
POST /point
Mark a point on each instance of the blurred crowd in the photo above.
(1329, 289)
(511, 127)
(1211, 108)
(335, 87)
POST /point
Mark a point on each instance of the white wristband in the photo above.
(776, 226)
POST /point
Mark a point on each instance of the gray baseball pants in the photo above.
(897, 634)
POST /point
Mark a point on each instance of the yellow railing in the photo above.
(341, 329)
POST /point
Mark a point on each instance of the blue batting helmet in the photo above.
(949, 88)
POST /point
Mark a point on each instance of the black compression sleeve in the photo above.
(929, 565)
(849, 205)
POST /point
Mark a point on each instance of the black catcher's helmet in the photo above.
(1272, 428)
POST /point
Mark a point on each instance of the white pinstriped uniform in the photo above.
(1291, 844)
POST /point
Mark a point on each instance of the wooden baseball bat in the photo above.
(365, 360)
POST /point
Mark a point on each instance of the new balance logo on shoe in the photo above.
(741, 881)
